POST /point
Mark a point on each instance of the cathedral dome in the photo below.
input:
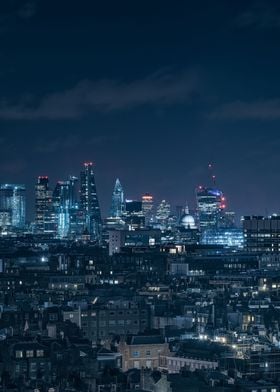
(187, 221)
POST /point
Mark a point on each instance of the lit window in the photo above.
(29, 353)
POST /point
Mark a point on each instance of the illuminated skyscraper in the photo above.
(44, 218)
(65, 205)
(117, 206)
(210, 207)
(89, 201)
(147, 207)
(163, 213)
(13, 204)
(134, 217)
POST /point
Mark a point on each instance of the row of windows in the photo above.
(136, 354)
(190, 363)
(103, 323)
(29, 353)
(136, 364)
(235, 266)
(33, 366)
(265, 390)
(111, 313)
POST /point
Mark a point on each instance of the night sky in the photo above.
(151, 91)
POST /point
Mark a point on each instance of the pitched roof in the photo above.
(138, 340)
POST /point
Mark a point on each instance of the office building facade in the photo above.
(210, 207)
(118, 204)
(65, 205)
(261, 234)
(13, 205)
(89, 201)
(147, 208)
(44, 219)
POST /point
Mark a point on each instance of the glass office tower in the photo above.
(89, 201)
(13, 204)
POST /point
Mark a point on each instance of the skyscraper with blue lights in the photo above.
(210, 207)
(118, 204)
(13, 204)
(65, 205)
(44, 219)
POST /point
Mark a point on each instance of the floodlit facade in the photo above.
(228, 237)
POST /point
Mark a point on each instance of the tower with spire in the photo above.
(117, 205)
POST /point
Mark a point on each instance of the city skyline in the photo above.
(159, 90)
(139, 207)
(51, 188)
(106, 204)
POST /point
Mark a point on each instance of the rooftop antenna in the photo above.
(211, 173)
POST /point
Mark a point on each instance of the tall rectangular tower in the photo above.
(210, 207)
(89, 201)
(13, 203)
(43, 205)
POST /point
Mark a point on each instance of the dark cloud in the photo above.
(262, 15)
(104, 96)
(69, 143)
(28, 10)
(13, 167)
(13, 12)
(256, 110)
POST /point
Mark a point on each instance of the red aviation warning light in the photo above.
(223, 202)
(88, 163)
(212, 175)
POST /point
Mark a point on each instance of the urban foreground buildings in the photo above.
(150, 297)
